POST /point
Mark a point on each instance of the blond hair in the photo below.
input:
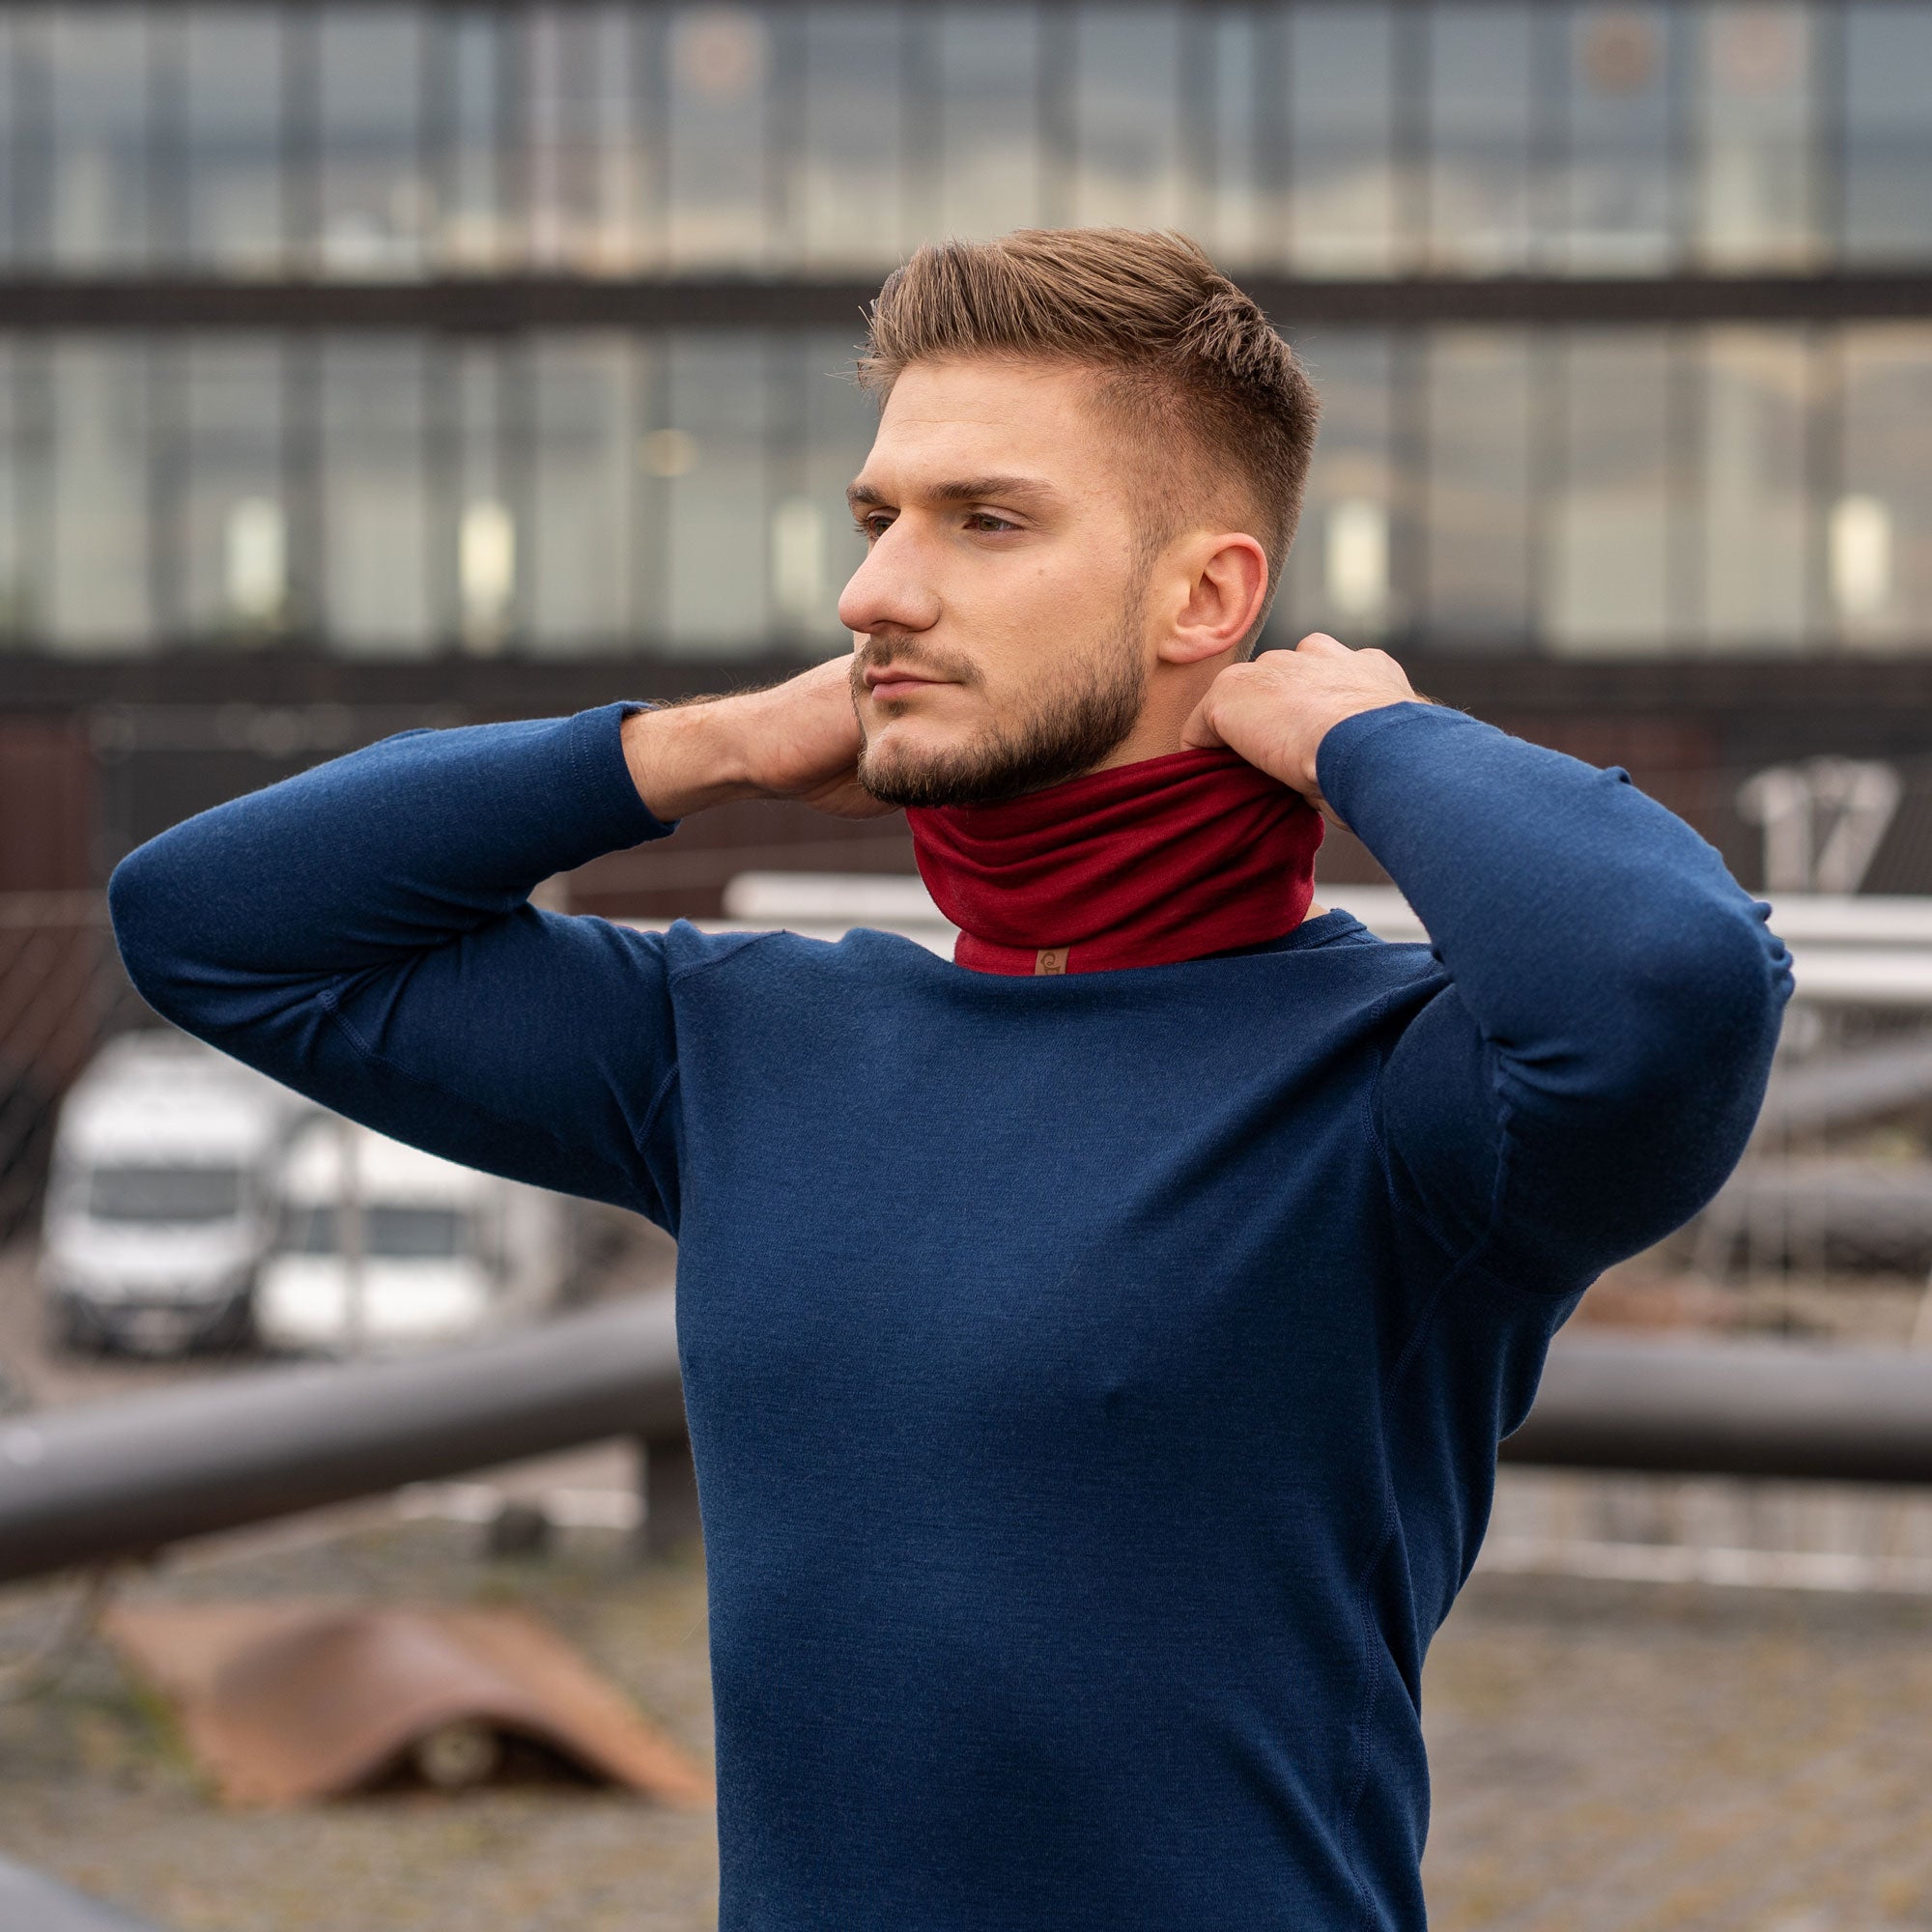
(1186, 360)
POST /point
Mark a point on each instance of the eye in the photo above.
(874, 525)
(990, 522)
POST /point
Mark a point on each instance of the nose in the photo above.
(890, 590)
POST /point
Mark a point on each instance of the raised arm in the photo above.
(363, 933)
(1592, 1070)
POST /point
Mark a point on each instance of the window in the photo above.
(1755, 200)
(391, 1232)
(10, 158)
(1481, 136)
(813, 546)
(1888, 131)
(1341, 127)
(374, 201)
(719, 135)
(1609, 569)
(1476, 579)
(989, 150)
(164, 1196)
(1233, 212)
(1879, 529)
(1126, 117)
(100, 580)
(1339, 575)
(584, 158)
(227, 502)
(479, 562)
(1752, 546)
(584, 415)
(1623, 130)
(97, 118)
(476, 206)
(15, 599)
(375, 514)
(231, 143)
(850, 186)
(710, 454)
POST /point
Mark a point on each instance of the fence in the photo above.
(62, 993)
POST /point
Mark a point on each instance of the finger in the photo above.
(1199, 733)
(1319, 644)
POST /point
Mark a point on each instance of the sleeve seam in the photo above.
(649, 1125)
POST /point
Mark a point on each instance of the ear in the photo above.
(1224, 586)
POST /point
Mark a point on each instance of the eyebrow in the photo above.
(966, 489)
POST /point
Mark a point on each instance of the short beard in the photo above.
(1073, 733)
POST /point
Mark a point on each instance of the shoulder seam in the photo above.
(738, 942)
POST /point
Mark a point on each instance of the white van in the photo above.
(384, 1247)
(160, 1202)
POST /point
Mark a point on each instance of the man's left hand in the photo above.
(1275, 710)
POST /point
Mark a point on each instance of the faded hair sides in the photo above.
(1186, 362)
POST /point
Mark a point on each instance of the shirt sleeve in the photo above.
(1592, 1070)
(362, 933)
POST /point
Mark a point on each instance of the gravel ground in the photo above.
(95, 1789)
(1608, 1759)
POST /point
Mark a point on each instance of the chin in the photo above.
(905, 764)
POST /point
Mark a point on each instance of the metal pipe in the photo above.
(121, 1479)
(125, 1478)
(1732, 1408)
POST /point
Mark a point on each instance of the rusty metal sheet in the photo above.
(301, 1699)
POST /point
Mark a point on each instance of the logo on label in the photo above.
(1049, 959)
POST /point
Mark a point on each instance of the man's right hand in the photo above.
(797, 740)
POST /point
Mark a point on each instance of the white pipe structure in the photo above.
(1846, 950)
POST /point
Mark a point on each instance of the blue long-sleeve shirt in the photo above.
(1094, 1382)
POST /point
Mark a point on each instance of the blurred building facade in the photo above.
(361, 365)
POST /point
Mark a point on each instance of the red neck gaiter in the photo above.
(1145, 865)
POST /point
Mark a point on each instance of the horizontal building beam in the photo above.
(512, 304)
(1867, 700)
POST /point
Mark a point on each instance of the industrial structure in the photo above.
(367, 364)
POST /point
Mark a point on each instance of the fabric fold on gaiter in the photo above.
(1145, 865)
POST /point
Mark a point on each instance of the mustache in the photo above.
(882, 650)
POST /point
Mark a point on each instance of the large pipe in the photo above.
(124, 1478)
(121, 1478)
(1732, 1408)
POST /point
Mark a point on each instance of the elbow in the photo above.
(1710, 1003)
(1727, 977)
(1638, 1126)
(146, 895)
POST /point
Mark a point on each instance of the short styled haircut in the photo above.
(1186, 361)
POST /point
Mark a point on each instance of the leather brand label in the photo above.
(1049, 959)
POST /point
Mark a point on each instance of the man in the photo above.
(1096, 1348)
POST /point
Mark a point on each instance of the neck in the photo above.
(1150, 862)
(1173, 691)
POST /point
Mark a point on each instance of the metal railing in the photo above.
(125, 1478)
(119, 1480)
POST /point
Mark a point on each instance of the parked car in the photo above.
(384, 1247)
(160, 1203)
